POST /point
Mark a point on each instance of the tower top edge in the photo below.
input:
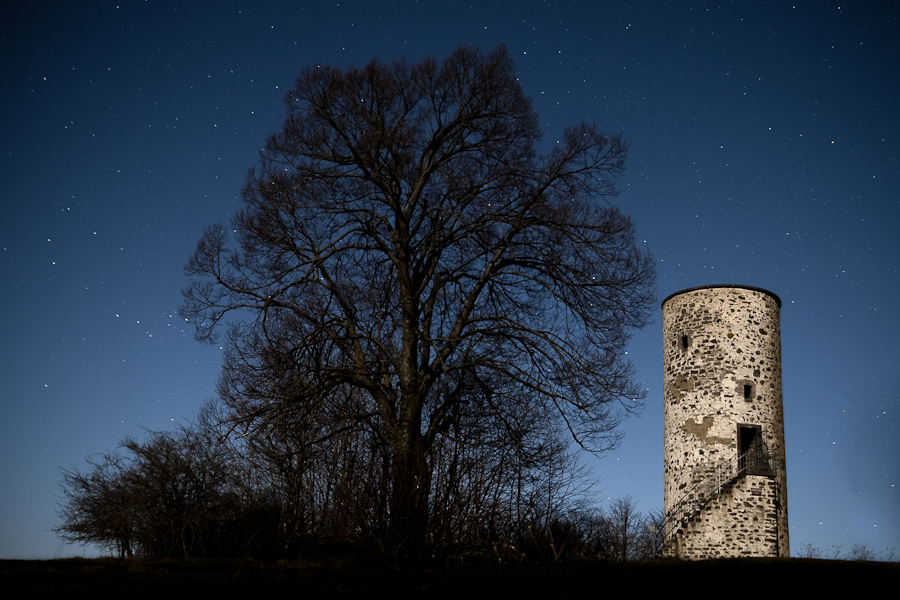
(724, 285)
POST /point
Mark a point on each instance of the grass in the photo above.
(349, 576)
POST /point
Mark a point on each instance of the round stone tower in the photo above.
(725, 485)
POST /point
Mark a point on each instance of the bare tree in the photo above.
(174, 494)
(403, 251)
(627, 530)
(97, 507)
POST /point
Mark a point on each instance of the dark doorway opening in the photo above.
(752, 456)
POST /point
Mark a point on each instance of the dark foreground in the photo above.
(312, 578)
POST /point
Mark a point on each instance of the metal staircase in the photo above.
(716, 479)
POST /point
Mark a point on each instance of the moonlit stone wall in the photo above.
(722, 360)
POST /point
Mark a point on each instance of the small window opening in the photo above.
(748, 390)
(684, 341)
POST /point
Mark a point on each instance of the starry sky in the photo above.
(764, 146)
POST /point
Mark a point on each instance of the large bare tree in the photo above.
(406, 258)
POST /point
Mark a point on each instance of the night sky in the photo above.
(764, 145)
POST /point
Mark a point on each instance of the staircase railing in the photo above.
(757, 461)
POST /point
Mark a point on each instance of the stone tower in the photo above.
(725, 484)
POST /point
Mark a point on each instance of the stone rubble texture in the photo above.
(717, 341)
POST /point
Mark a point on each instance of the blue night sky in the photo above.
(765, 140)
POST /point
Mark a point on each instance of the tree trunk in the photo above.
(410, 489)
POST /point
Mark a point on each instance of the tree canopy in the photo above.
(409, 265)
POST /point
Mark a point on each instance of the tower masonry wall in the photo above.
(722, 389)
(737, 523)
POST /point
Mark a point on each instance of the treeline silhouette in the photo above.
(202, 490)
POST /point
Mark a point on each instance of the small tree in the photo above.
(625, 528)
(174, 494)
(98, 507)
(405, 254)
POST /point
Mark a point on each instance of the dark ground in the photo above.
(332, 577)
